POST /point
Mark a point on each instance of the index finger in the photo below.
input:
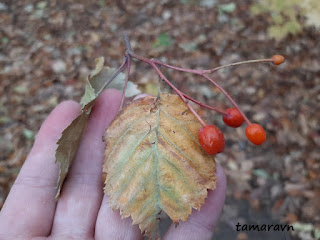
(30, 205)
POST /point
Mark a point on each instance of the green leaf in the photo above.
(163, 40)
(88, 96)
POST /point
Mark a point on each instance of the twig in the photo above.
(119, 70)
(199, 72)
(155, 63)
(203, 105)
(127, 43)
(228, 96)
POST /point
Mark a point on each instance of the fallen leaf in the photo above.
(99, 79)
(154, 162)
(68, 145)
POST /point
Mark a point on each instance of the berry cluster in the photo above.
(211, 138)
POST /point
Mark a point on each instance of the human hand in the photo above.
(82, 212)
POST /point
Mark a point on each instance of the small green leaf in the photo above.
(20, 89)
(163, 40)
(227, 8)
(28, 134)
(260, 173)
(4, 120)
(4, 40)
(317, 233)
(42, 5)
(305, 227)
(88, 96)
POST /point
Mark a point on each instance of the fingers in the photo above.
(110, 225)
(142, 96)
(29, 208)
(201, 223)
(82, 192)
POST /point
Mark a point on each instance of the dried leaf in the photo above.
(97, 82)
(68, 145)
(154, 162)
(71, 136)
(118, 83)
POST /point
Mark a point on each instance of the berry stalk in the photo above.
(179, 93)
(155, 67)
(228, 96)
(276, 59)
(119, 70)
(232, 117)
(238, 63)
(203, 105)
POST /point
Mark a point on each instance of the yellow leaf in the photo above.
(154, 163)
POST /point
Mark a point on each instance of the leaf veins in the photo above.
(154, 162)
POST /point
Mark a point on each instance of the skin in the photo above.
(82, 212)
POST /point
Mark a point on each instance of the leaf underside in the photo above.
(154, 163)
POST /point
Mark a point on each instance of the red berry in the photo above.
(233, 118)
(256, 134)
(211, 139)
(277, 59)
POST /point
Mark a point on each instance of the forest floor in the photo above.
(47, 49)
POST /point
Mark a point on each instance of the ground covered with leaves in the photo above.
(47, 49)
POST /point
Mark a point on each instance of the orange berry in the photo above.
(277, 59)
(256, 134)
(232, 117)
(211, 139)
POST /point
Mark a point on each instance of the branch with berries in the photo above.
(210, 137)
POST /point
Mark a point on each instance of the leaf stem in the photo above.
(126, 81)
(119, 70)
(203, 73)
(179, 93)
(127, 43)
(152, 64)
(198, 71)
(203, 105)
(228, 96)
(238, 63)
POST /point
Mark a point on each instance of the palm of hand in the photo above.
(82, 212)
